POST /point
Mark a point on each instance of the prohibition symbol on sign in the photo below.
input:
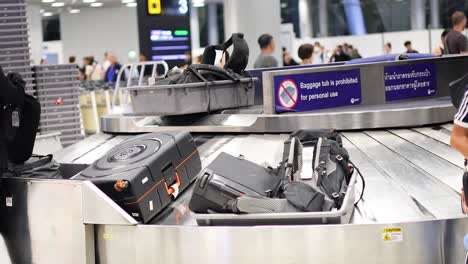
(288, 94)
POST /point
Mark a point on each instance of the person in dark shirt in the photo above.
(409, 47)
(148, 69)
(266, 58)
(340, 55)
(306, 53)
(287, 59)
(456, 42)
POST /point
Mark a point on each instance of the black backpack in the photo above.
(291, 194)
(239, 59)
(12, 92)
(207, 72)
(21, 147)
(330, 163)
(20, 121)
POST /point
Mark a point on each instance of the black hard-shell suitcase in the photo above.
(145, 174)
(228, 178)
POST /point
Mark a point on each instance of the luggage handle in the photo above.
(130, 76)
(173, 189)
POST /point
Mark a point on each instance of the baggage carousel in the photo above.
(412, 174)
(413, 186)
(410, 212)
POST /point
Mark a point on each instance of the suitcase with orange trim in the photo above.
(145, 174)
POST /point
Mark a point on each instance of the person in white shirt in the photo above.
(106, 64)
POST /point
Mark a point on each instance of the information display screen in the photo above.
(164, 30)
(168, 7)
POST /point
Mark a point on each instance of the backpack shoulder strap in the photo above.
(209, 55)
(196, 68)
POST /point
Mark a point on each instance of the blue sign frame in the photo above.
(317, 90)
(410, 81)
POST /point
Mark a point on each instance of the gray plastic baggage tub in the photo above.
(182, 99)
(342, 216)
(190, 98)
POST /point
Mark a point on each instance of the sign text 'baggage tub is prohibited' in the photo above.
(318, 90)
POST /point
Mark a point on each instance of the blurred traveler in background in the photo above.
(84, 64)
(339, 55)
(354, 54)
(409, 47)
(113, 70)
(43, 61)
(319, 56)
(72, 59)
(142, 58)
(457, 43)
(325, 54)
(287, 59)
(198, 59)
(388, 48)
(306, 53)
(106, 63)
(267, 46)
(440, 50)
(148, 69)
(188, 58)
(459, 139)
(93, 71)
(346, 49)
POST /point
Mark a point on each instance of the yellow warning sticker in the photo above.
(392, 234)
(107, 236)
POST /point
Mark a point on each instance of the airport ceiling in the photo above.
(52, 7)
(77, 3)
